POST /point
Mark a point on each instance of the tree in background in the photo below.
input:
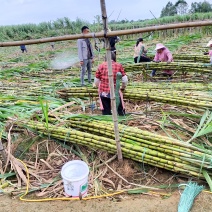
(169, 10)
(98, 19)
(201, 7)
(182, 7)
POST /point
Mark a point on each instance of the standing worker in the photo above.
(113, 40)
(163, 55)
(86, 55)
(23, 48)
(102, 82)
(140, 52)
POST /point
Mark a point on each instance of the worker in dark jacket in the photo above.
(23, 48)
(113, 40)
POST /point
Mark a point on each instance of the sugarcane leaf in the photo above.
(207, 178)
(182, 114)
(205, 125)
(207, 128)
(138, 191)
(79, 101)
(6, 175)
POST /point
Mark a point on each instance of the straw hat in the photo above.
(159, 46)
(209, 43)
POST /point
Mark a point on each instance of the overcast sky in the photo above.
(15, 12)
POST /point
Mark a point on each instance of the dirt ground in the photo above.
(132, 203)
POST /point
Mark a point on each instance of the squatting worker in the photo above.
(163, 55)
(101, 80)
(86, 55)
(140, 52)
(210, 51)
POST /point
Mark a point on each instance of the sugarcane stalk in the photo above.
(68, 134)
(154, 160)
(186, 154)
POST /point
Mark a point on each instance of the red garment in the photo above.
(102, 75)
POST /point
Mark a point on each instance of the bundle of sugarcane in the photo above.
(79, 92)
(197, 99)
(189, 57)
(29, 88)
(26, 91)
(185, 67)
(139, 145)
(171, 86)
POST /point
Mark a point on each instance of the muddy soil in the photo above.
(132, 203)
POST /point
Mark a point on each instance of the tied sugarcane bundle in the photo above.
(180, 86)
(189, 57)
(185, 67)
(185, 96)
(136, 144)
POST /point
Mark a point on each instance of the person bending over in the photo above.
(163, 55)
(102, 82)
(210, 51)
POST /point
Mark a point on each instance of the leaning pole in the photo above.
(113, 33)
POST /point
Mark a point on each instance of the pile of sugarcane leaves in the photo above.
(165, 135)
(50, 140)
(52, 135)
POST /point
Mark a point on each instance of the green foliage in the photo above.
(169, 10)
(58, 27)
(182, 40)
(201, 7)
(63, 26)
(163, 20)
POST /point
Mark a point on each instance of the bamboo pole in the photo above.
(2, 152)
(111, 83)
(113, 33)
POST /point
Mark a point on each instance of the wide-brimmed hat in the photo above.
(209, 43)
(159, 46)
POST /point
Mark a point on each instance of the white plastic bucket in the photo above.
(75, 178)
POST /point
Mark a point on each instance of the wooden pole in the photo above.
(113, 33)
(111, 83)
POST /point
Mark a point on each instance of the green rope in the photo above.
(143, 155)
(118, 82)
(188, 196)
(140, 53)
(203, 160)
